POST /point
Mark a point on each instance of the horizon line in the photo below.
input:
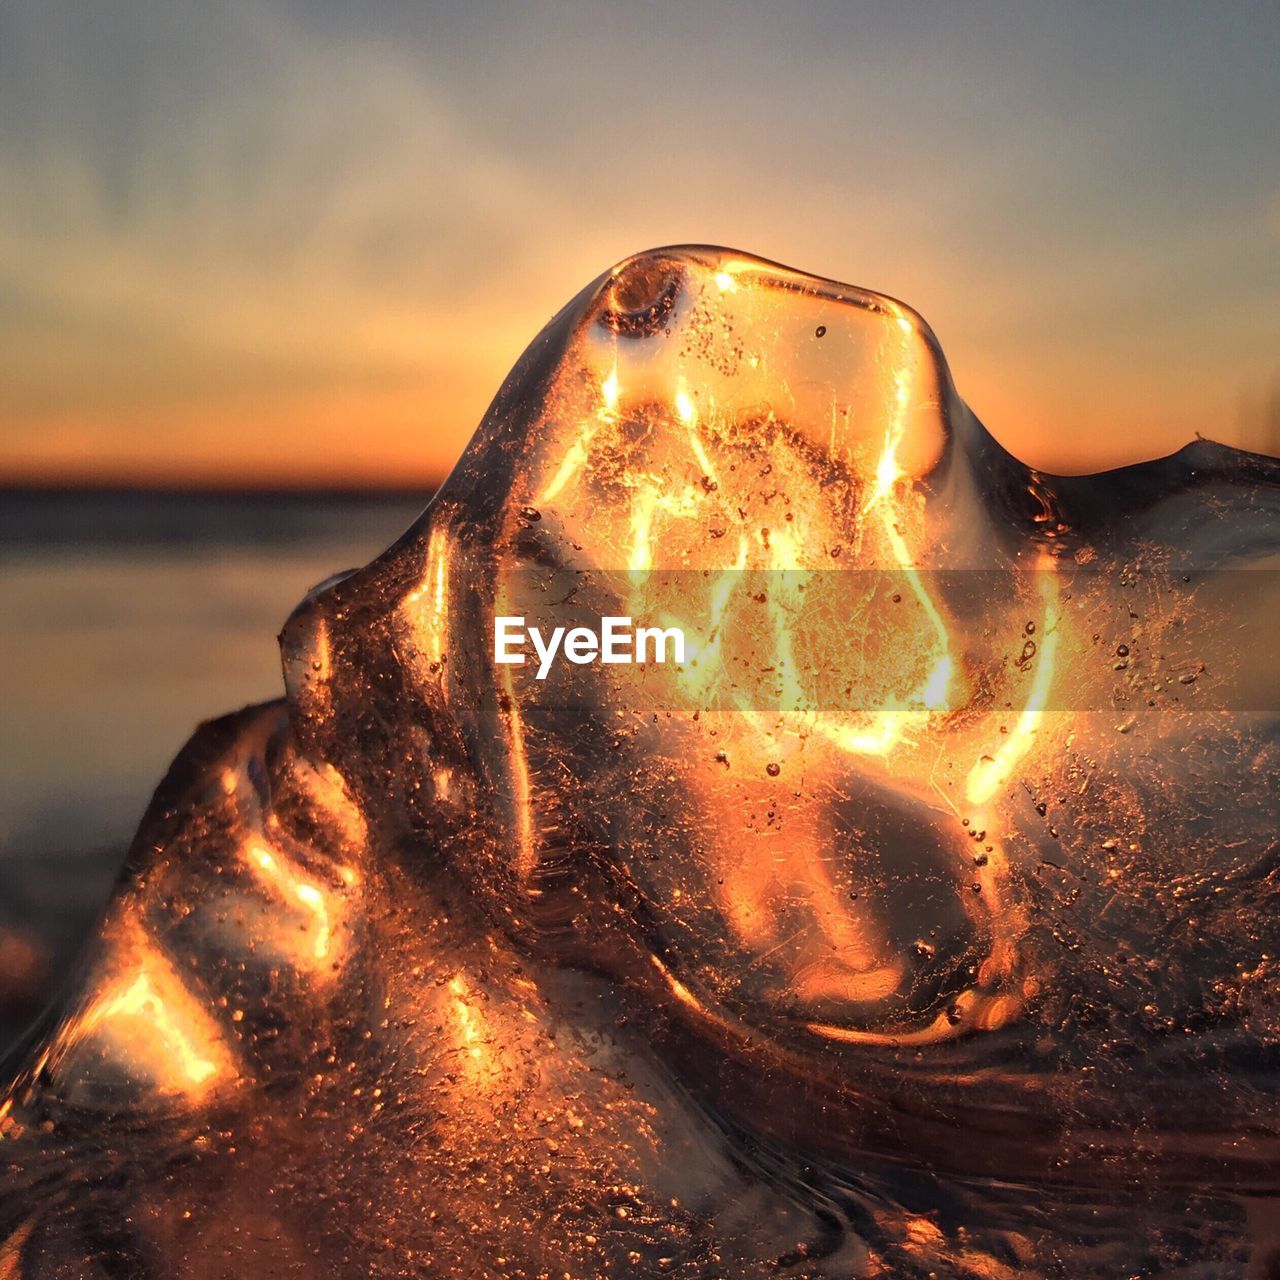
(91, 486)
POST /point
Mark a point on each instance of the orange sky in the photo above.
(298, 244)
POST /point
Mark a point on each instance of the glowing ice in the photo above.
(920, 923)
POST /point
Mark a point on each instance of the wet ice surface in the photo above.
(437, 969)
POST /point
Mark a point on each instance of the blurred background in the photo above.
(262, 266)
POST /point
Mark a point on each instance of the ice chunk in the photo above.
(912, 920)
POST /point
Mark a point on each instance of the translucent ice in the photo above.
(920, 922)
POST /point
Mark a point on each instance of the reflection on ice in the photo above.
(918, 924)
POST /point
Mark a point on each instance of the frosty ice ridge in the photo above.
(437, 968)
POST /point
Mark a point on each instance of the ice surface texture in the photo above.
(920, 924)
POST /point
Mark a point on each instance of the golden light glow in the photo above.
(609, 394)
(526, 854)
(11, 1251)
(725, 526)
(578, 451)
(684, 408)
(993, 772)
(147, 1020)
(427, 605)
(319, 903)
(469, 1029)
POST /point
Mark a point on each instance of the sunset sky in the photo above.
(303, 243)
